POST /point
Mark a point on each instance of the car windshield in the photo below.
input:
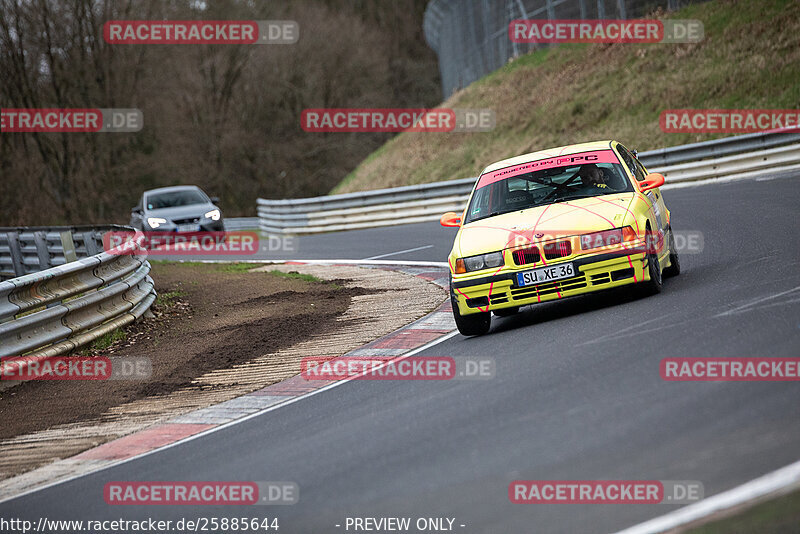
(175, 198)
(496, 195)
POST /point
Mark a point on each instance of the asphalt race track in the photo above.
(577, 396)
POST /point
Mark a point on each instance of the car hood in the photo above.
(564, 218)
(182, 212)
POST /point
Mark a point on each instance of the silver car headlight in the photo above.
(493, 259)
(483, 261)
(214, 215)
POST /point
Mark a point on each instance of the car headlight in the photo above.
(483, 261)
(493, 259)
(607, 238)
(155, 222)
(214, 215)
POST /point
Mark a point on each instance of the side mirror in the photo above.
(450, 218)
(215, 200)
(651, 181)
(138, 211)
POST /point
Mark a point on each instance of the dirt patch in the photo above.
(252, 323)
(206, 319)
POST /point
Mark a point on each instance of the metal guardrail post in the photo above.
(68, 246)
(40, 240)
(90, 243)
(17, 261)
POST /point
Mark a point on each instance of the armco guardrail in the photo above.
(240, 223)
(32, 249)
(717, 148)
(382, 207)
(53, 311)
(427, 202)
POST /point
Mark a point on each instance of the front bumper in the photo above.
(596, 272)
(205, 225)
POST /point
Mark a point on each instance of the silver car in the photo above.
(182, 208)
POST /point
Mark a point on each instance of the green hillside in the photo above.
(567, 94)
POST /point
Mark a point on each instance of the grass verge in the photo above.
(776, 516)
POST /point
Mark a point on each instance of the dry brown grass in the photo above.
(575, 93)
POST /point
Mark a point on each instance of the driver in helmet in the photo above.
(592, 176)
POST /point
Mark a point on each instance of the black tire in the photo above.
(674, 268)
(506, 312)
(652, 286)
(475, 324)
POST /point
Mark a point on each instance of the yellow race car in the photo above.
(554, 224)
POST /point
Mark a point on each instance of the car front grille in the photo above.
(525, 256)
(567, 284)
(552, 251)
(559, 249)
(193, 220)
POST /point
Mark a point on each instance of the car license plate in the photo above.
(545, 274)
(188, 227)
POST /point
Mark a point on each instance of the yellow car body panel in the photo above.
(595, 269)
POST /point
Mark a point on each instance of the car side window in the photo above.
(481, 202)
(641, 172)
(633, 164)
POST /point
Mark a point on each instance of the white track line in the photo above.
(757, 301)
(437, 264)
(398, 252)
(782, 479)
(220, 427)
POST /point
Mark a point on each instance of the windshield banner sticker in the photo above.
(597, 156)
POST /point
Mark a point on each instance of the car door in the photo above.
(654, 196)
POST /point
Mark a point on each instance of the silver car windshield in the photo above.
(174, 199)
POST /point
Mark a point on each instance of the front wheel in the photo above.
(653, 286)
(475, 324)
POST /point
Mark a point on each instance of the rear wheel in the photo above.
(674, 268)
(475, 324)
